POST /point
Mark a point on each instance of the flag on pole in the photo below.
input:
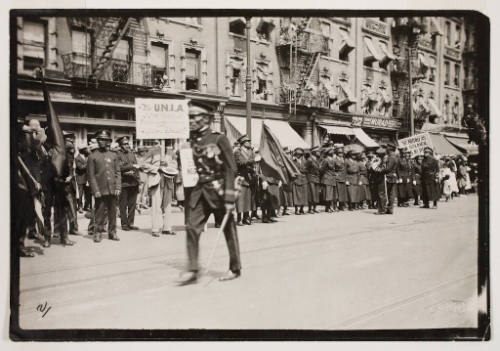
(55, 135)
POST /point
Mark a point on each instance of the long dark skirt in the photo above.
(405, 190)
(365, 193)
(431, 192)
(244, 201)
(313, 192)
(342, 192)
(329, 193)
(286, 197)
(300, 197)
(417, 190)
(271, 198)
(353, 193)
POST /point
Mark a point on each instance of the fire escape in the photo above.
(98, 62)
(299, 51)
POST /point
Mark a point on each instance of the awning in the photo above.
(388, 56)
(435, 27)
(442, 146)
(463, 145)
(364, 138)
(287, 136)
(338, 130)
(373, 53)
(346, 96)
(434, 110)
(346, 45)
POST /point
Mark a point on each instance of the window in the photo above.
(432, 70)
(448, 33)
(447, 73)
(81, 46)
(434, 42)
(325, 29)
(159, 60)
(458, 30)
(34, 44)
(236, 82)
(264, 29)
(346, 45)
(237, 26)
(192, 69)
(262, 77)
(456, 80)
(123, 50)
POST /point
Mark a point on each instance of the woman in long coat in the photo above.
(364, 184)
(352, 179)
(340, 176)
(417, 179)
(328, 182)
(430, 179)
(299, 186)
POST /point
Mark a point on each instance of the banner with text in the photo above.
(161, 119)
(416, 144)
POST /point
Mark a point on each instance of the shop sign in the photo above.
(161, 119)
(375, 122)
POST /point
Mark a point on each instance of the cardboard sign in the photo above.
(416, 144)
(188, 167)
(161, 119)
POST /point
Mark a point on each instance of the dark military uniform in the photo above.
(129, 187)
(392, 177)
(405, 177)
(216, 168)
(269, 181)
(299, 185)
(82, 183)
(312, 168)
(364, 187)
(105, 179)
(340, 176)
(430, 180)
(352, 181)
(245, 168)
(417, 179)
(328, 181)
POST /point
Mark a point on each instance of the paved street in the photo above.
(348, 270)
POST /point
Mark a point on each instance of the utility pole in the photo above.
(410, 85)
(249, 82)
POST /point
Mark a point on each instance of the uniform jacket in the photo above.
(328, 171)
(245, 165)
(103, 170)
(405, 170)
(430, 170)
(363, 173)
(340, 172)
(301, 177)
(312, 168)
(81, 169)
(416, 172)
(391, 169)
(216, 167)
(127, 161)
(352, 171)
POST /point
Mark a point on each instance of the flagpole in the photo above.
(248, 82)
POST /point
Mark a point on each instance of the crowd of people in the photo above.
(107, 180)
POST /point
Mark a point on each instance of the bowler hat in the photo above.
(103, 134)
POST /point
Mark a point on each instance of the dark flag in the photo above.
(273, 156)
(54, 134)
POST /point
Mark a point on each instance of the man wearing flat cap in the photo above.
(105, 182)
(130, 183)
(214, 192)
(244, 158)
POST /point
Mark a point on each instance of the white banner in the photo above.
(416, 144)
(161, 119)
(188, 167)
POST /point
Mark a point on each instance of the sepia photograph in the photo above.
(255, 174)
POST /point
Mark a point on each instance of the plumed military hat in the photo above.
(242, 139)
(103, 134)
(338, 146)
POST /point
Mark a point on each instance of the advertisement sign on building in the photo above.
(416, 144)
(161, 119)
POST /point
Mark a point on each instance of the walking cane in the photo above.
(237, 186)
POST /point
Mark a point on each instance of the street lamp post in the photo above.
(248, 82)
(410, 85)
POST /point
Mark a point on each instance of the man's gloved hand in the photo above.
(265, 185)
(400, 180)
(347, 183)
(414, 182)
(117, 192)
(97, 195)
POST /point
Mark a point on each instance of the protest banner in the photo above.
(161, 119)
(416, 144)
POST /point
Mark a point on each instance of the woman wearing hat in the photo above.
(430, 178)
(364, 185)
(299, 187)
(340, 176)
(352, 178)
(328, 181)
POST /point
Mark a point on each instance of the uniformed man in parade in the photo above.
(417, 179)
(340, 176)
(105, 182)
(299, 185)
(84, 200)
(378, 171)
(371, 180)
(244, 158)
(270, 183)
(286, 192)
(312, 167)
(391, 172)
(352, 178)
(430, 179)
(214, 192)
(129, 184)
(364, 184)
(328, 181)
(405, 180)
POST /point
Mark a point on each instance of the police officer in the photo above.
(82, 180)
(213, 193)
(405, 178)
(391, 168)
(105, 182)
(130, 183)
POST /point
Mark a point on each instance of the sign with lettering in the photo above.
(161, 119)
(376, 26)
(188, 167)
(375, 122)
(453, 53)
(416, 144)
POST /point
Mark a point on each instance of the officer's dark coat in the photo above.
(417, 177)
(127, 161)
(216, 167)
(103, 169)
(405, 175)
(430, 177)
(365, 191)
